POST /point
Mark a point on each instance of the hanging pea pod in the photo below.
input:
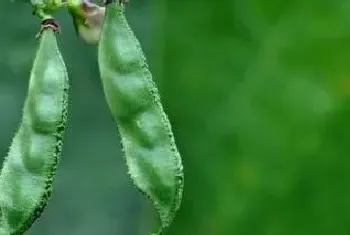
(27, 174)
(151, 154)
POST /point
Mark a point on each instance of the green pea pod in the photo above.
(151, 154)
(28, 170)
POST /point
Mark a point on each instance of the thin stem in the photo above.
(44, 8)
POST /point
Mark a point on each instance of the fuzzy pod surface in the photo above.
(149, 147)
(28, 170)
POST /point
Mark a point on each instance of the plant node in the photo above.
(48, 23)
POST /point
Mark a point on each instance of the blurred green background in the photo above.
(258, 93)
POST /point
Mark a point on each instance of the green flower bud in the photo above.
(88, 19)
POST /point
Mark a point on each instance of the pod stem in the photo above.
(48, 23)
(120, 2)
(44, 8)
(40, 13)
